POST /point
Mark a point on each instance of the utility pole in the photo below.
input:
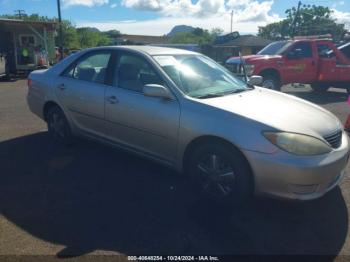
(20, 13)
(294, 23)
(231, 21)
(60, 29)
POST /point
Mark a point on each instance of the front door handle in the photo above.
(62, 87)
(112, 100)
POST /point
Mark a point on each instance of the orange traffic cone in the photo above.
(347, 124)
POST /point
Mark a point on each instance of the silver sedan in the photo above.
(183, 110)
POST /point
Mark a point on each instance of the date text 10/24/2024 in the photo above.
(173, 258)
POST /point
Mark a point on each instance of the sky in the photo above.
(157, 17)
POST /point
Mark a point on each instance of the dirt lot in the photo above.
(92, 199)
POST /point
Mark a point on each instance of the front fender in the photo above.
(268, 69)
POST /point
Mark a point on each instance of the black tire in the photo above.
(7, 77)
(234, 188)
(58, 126)
(320, 87)
(271, 81)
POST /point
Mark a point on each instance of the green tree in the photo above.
(113, 35)
(89, 37)
(215, 32)
(69, 36)
(197, 36)
(311, 20)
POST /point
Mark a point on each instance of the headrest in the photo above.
(86, 74)
(128, 72)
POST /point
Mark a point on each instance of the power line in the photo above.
(60, 28)
(20, 13)
(294, 23)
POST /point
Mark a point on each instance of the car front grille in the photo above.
(334, 139)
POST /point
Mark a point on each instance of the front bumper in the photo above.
(298, 177)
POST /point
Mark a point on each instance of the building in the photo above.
(244, 44)
(226, 46)
(28, 45)
(247, 44)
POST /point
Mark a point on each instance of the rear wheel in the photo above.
(320, 87)
(58, 126)
(271, 81)
(221, 173)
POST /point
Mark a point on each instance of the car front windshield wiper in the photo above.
(238, 91)
(212, 95)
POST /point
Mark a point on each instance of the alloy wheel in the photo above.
(216, 176)
(269, 84)
(57, 126)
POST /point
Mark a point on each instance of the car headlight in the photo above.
(298, 144)
(249, 69)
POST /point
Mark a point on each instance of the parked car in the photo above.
(305, 61)
(182, 109)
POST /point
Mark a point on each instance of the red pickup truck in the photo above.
(317, 62)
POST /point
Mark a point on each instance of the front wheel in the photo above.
(271, 82)
(320, 87)
(58, 126)
(221, 173)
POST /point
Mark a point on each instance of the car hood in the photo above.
(279, 111)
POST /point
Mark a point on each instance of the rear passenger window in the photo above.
(92, 68)
(324, 51)
(133, 72)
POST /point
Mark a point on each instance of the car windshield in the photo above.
(200, 77)
(275, 48)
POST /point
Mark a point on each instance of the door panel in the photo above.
(81, 90)
(300, 64)
(149, 124)
(84, 101)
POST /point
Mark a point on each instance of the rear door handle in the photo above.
(112, 100)
(62, 87)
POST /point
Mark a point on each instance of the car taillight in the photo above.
(30, 82)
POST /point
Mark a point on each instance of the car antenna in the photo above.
(243, 66)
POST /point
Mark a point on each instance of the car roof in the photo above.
(150, 50)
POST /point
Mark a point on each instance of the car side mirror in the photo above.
(155, 90)
(255, 80)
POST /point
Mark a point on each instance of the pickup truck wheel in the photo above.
(7, 77)
(271, 82)
(221, 173)
(320, 87)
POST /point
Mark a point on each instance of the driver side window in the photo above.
(301, 50)
(133, 72)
